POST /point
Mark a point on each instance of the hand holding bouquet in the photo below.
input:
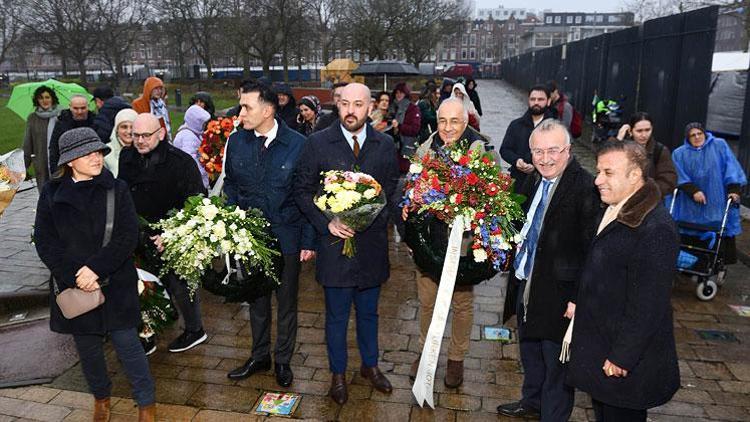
(354, 198)
(12, 173)
(458, 180)
(211, 150)
(206, 229)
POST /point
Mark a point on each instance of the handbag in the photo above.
(73, 301)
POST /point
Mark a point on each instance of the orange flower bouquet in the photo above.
(212, 145)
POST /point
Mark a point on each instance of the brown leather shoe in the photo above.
(338, 389)
(101, 410)
(377, 379)
(454, 373)
(147, 413)
(414, 368)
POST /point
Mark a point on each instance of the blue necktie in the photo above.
(532, 236)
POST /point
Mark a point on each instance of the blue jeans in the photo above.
(338, 307)
(132, 358)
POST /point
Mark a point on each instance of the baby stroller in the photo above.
(700, 256)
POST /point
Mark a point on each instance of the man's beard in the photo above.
(355, 126)
(537, 111)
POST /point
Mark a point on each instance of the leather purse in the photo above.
(74, 302)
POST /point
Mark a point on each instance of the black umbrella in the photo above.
(385, 68)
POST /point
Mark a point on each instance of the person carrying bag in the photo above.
(94, 284)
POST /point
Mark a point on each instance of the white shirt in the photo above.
(529, 218)
(361, 136)
(271, 135)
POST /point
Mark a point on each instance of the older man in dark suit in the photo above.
(346, 146)
(560, 216)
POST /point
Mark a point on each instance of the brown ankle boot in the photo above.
(454, 373)
(101, 410)
(147, 413)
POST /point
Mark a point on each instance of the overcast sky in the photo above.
(557, 6)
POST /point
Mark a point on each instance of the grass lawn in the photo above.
(12, 127)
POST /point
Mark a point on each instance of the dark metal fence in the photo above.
(662, 67)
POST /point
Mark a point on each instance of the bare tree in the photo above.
(122, 22)
(424, 22)
(201, 20)
(372, 24)
(10, 25)
(323, 16)
(67, 28)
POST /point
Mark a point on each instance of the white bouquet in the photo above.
(207, 229)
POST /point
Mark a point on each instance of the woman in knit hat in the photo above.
(309, 111)
(121, 137)
(70, 234)
(708, 174)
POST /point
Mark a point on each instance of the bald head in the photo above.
(452, 120)
(79, 107)
(147, 133)
(354, 106)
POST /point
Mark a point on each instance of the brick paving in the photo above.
(193, 385)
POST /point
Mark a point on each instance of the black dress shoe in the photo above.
(284, 375)
(517, 410)
(338, 391)
(250, 367)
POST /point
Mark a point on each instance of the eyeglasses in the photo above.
(552, 152)
(144, 135)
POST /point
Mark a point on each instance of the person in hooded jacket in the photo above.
(203, 100)
(407, 119)
(108, 105)
(39, 126)
(471, 88)
(68, 234)
(152, 100)
(121, 137)
(459, 91)
(287, 105)
(189, 136)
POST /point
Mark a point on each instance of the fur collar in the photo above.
(640, 205)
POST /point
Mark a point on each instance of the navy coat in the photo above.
(624, 312)
(329, 150)
(567, 230)
(264, 180)
(516, 145)
(68, 234)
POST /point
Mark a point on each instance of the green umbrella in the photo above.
(21, 101)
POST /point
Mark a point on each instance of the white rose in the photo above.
(369, 193)
(141, 287)
(415, 168)
(517, 238)
(209, 211)
(206, 201)
(480, 255)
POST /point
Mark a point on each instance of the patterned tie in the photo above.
(355, 147)
(532, 236)
(262, 140)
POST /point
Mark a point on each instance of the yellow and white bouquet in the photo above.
(354, 198)
(12, 173)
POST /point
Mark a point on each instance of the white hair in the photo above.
(74, 96)
(549, 125)
(454, 100)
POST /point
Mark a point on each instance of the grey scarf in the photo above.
(50, 114)
(401, 108)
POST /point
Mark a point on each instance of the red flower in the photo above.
(459, 198)
(435, 183)
(492, 189)
(479, 216)
(464, 160)
(486, 160)
(472, 179)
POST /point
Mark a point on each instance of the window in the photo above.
(599, 18)
(445, 54)
(589, 18)
(511, 26)
(463, 54)
(569, 19)
(579, 19)
(558, 19)
(453, 54)
(614, 18)
(473, 40)
(464, 39)
(548, 19)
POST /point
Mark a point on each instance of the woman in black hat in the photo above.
(70, 238)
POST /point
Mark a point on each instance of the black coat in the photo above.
(516, 145)
(567, 230)
(329, 150)
(160, 180)
(68, 234)
(624, 312)
(105, 118)
(65, 122)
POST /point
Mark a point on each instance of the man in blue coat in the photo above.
(260, 162)
(350, 145)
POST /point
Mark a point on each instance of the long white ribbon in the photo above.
(424, 383)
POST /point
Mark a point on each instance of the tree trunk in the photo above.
(64, 65)
(82, 73)
(245, 64)
(209, 68)
(285, 61)
(324, 47)
(267, 66)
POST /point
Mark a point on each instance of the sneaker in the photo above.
(149, 344)
(187, 341)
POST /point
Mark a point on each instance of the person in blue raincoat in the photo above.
(708, 174)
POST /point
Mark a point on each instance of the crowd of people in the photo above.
(589, 283)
